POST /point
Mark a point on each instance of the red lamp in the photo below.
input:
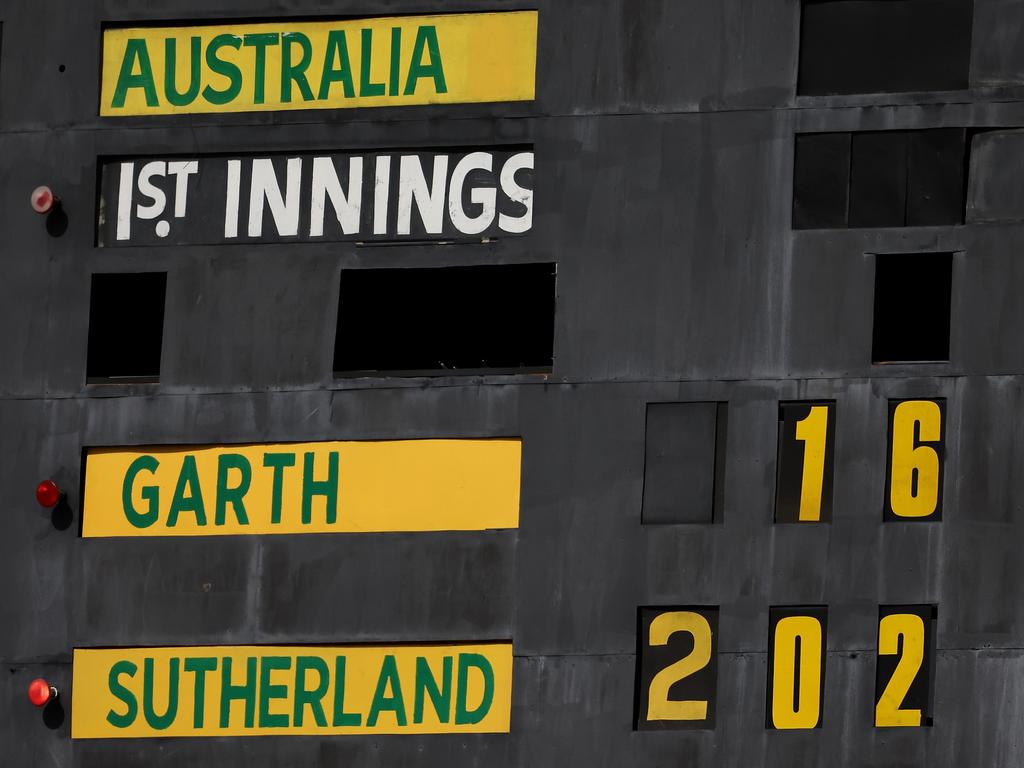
(41, 692)
(43, 199)
(48, 494)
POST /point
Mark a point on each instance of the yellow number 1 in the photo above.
(812, 431)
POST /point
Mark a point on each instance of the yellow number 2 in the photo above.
(888, 712)
(812, 431)
(659, 707)
(914, 478)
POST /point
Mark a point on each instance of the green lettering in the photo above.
(367, 88)
(440, 697)
(233, 496)
(151, 493)
(224, 68)
(260, 41)
(188, 480)
(270, 692)
(170, 72)
(327, 488)
(245, 692)
(394, 75)
(337, 48)
(277, 462)
(304, 697)
(135, 50)
(160, 722)
(464, 716)
(295, 72)
(381, 702)
(342, 719)
(131, 705)
(426, 37)
(199, 666)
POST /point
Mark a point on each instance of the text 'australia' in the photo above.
(283, 65)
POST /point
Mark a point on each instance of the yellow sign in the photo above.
(329, 487)
(283, 65)
(290, 691)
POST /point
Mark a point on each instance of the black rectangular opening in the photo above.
(496, 319)
(884, 46)
(880, 179)
(126, 327)
(912, 302)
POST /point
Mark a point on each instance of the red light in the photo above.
(42, 199)
(47, 493)
(40, 692)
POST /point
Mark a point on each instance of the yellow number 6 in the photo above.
(915, 468)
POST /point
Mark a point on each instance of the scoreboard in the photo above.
(594, 383)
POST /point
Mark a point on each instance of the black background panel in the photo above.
(653, 661)
(126, 324)
(776, 614)
(821, 180)
(912, 304)
(921, 693)
(793, 464)
(884, 46)
(935, 177)
(681, 462)
(450, 319)
(878, 179)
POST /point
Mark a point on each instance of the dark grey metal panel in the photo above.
(996, 162)
(432, 587)
(679, 463)
(664, 167)
(581, 562)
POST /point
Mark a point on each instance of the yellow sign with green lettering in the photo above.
(291, 691)
(324, 487)
(283, 65)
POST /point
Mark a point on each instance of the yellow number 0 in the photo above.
(659, 707)
(907, 498)
(792, 708)
(812, 431)
(888, 712)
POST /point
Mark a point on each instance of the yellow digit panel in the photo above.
(291, 691)
(324, 487)
(282, 65)
(914, 481)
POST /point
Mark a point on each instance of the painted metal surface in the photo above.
(664, 134)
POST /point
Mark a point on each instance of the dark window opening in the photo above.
(912, 304)
(447, 320)
(880, 179)
(126, 327)
(684, 463)
(884, 46)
